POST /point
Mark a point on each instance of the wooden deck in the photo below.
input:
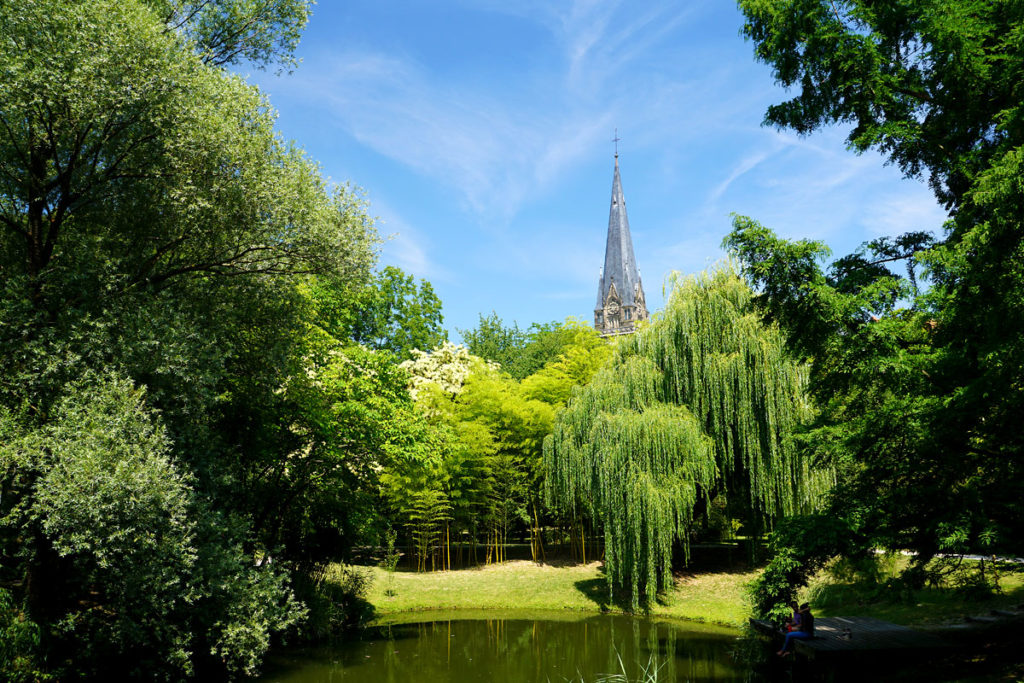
(866, 635)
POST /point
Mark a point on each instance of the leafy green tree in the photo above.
(581, 352)
(111, 503)
(88, 156)
(395, 314)
(492, 427)
(117, 525)
(493, 341)
(341, 419)
(428, 514)
(156, 230)
(451, 483)
(133, 176)
(920, 405)
(488, 459)
(933, 85)
(702, 402)
(20, 655)
(518, 425)
(230, 31)
(545, 343)
(520, 353)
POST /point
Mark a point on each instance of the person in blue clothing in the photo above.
(805, 631)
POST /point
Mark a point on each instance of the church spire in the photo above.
(620, 295)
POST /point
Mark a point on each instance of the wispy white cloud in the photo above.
(602, 44)
(801, 188)
(407, 247)
(491, 153)
(489, 157)
(498, 146)
(745, 164)
(904, 212)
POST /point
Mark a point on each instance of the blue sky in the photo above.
(481, 132)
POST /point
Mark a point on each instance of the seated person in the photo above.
(805, 632)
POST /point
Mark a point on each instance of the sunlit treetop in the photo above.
(226, 32)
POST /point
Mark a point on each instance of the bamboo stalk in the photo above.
(540, 537)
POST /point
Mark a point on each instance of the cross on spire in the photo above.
(616, 141)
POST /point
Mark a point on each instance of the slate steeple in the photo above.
(620, 294)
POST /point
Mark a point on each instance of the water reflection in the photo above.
(524, 650)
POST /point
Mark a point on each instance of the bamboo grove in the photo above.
(701, 403)
(477, 484)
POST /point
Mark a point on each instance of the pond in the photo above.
(524, 647)
(561, 647)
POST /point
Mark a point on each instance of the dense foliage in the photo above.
(395, 314)
(519, 352)
(920, 386)
(483, 478)
(208, 395)
(702, 403)
(187, 430)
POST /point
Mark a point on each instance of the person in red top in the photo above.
(793, 622)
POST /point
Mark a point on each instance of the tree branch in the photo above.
(15, 226)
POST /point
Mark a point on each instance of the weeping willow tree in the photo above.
(700, 403)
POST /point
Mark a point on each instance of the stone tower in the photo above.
(620, 294)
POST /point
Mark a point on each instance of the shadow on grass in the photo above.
(619, 600)
(908, 607)
(597, 591)
(693, 572)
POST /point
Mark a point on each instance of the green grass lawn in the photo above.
(523, 585)
(713, 597)
(835, 594)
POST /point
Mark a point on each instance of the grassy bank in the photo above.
(712, 597)
(522, 585)
(843, 591)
